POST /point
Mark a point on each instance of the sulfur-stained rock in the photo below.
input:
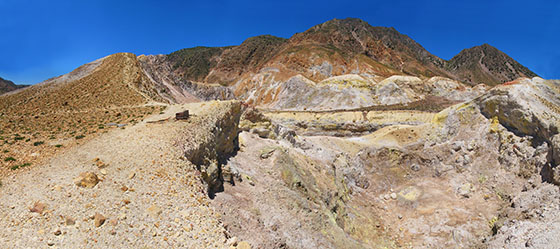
(410, 193)
(243, 245)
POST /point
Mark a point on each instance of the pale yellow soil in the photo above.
(167, 203)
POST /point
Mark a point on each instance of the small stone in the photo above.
(415, 167)
(113, 222)
(126, 201)
(243, 245)
(38, 207)
(467, 159)
(69, 221)
(57, 188)
(103, 172)
(131, 175)
(57, 232)
(86, 180)
(399, 216)
(98, 219)
(456, 146)
(232, 241)
(113, 232)
(100, 164)
(529, 243)
(460, 160)
(154, 211)
(465, 190)
(50, 243)
(124, 188)
(386, 197)
(393, 196)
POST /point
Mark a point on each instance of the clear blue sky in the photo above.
(43, 39)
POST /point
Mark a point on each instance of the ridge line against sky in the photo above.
(44, 39)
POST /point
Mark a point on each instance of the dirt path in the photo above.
(149, 194)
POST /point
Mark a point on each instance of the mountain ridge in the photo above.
(343, 42)
(8, 86)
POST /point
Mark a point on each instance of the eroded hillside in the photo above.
(42, 119)
(465, 177)
(343, 136)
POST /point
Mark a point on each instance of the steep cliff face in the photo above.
(214, 143)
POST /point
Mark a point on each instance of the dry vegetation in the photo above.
(46, 118)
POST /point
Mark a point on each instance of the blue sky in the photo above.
(43, 39)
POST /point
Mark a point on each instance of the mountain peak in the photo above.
(353, 36)
(486, 64)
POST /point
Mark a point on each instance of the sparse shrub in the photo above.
(9, 159)
(38, 143)
(58, 145)
(20, 166)
(80, 136)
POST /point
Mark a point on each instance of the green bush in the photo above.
(38, 143)
(20, 166)
(9, 159)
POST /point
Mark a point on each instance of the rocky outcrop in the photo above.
(456, 172)
(353, 91)
(175, 88)
(214, 143)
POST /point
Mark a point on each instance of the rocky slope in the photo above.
(142, 191)
(8, 86)
(343, 136)
(120, 89)
(40, 120)
(486, 65)
(339, 64)
(477, 174)
(338, 47)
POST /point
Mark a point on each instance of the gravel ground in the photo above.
(149, 195)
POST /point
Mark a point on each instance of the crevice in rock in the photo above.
(218, 141)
